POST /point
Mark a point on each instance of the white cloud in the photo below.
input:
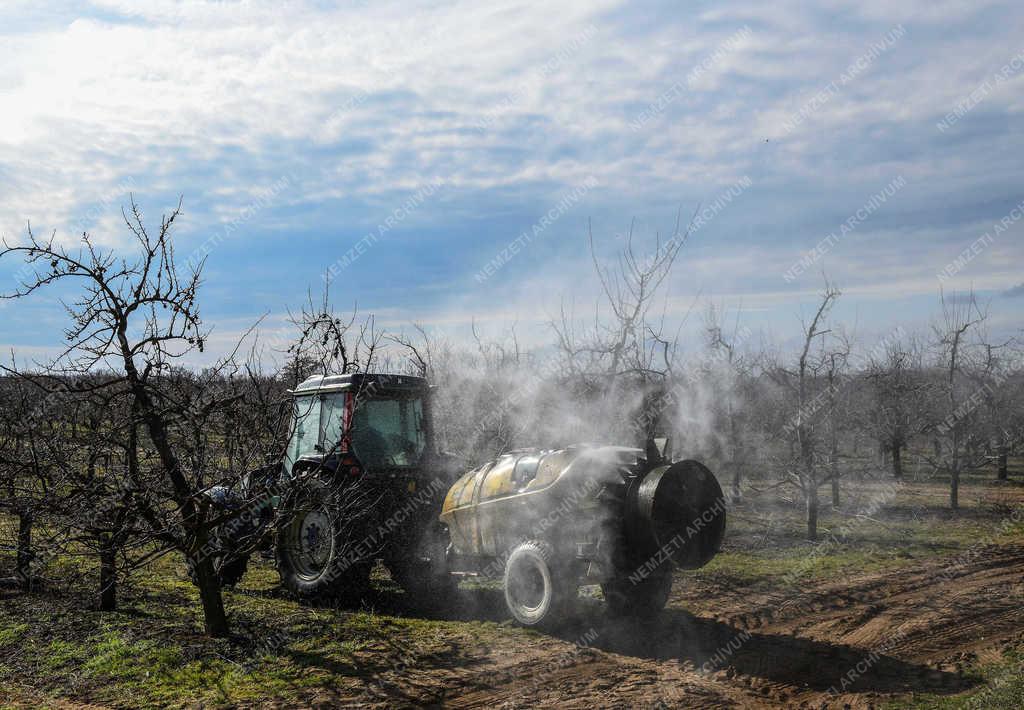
(369, 100)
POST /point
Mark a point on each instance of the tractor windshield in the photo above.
(388, 431)
(305, 430)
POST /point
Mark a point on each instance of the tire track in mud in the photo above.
(606, 680)
(797, 646)
(979, 595)
(929, 616)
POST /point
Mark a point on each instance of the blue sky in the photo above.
(295, 130)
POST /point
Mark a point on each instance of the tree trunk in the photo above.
(215, 619)
(812, 512)
(834, 466)
(108, 574)
(23, 571)
(897, 462)
(1003, 474)
(954, 472)
(738, 457)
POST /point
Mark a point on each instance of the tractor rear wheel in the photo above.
(315, 554)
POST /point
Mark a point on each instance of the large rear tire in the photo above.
(538, 590)
(316, 557)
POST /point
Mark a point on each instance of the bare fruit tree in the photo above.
(899, 393)
(996, 372)
(806, 398)
(137, 316)
(329, 343)
(729, 371)
(960, 316)
(833, 367)
(27, 474)
(625, 360)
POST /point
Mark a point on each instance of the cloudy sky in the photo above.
(403, 147)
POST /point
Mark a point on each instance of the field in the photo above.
(907, 605)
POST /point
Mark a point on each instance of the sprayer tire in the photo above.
(643, 599)
(538, 589)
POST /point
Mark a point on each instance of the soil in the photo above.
(859, 643)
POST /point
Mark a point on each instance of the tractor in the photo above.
(362, 480)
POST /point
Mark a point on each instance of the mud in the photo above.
(859, 642)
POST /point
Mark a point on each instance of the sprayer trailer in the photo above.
(551, 521)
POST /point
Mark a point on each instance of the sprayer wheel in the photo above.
(538, 590)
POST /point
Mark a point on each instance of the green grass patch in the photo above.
(11, 635)
(766, 543)
(1002, 687)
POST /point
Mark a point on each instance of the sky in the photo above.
(444, 163)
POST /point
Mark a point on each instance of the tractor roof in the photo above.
(361, 381)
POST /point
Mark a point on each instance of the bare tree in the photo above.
(899, 393)
(729, 371)
(329, 343)
(625, 355)
(960, 315)
(137, 317)
(834, 365)
(995, 372)
(806, 467)
(95, 507)
(27, 475)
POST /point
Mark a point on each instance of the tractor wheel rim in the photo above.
(312, 543)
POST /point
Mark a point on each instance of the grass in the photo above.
(1002, 687)
(766, 541)
(152, 652)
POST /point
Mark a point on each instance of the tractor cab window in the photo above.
(388, 431)
(305, 429)
(332, 421)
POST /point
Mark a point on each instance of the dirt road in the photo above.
(850, 642)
